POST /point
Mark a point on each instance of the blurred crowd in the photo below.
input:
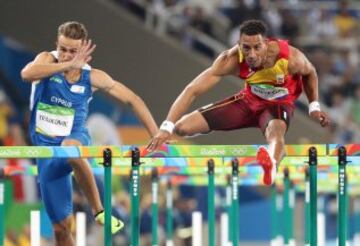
(327, 31)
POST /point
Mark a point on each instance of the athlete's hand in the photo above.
(160, 138)
(83, 56)
(321, 117)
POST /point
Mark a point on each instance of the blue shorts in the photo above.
(55, 181)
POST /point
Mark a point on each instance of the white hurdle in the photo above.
(35, 228)
(196, 228)
(224, 220)
(80, 229)
(321, 222)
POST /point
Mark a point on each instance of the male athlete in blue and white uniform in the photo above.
(62, 87)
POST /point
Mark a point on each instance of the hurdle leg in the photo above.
(289, 200)
(292, 197)
(313, 196)
(35, 228)
(107, 155)
(307, 209)
(235, 203)
(169, 217)
(274, 221)
(356, 239)
(224, 233)
(2, 212)
(80, 229)
(279, 214)
(135, 200)
(154, 207)
(321, 222)
(229, 210)
(196, 228)
(342, 197)
(211, 203)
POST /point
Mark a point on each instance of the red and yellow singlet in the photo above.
(274, 83)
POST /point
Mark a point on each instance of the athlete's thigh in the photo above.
(78, 138)
(270, 112)
(228, 114)
(191, 124)
(56, 188)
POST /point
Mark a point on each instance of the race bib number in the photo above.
(269, 92)
(54, 120)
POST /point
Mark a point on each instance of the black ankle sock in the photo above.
(98, 213)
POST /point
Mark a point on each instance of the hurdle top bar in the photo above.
(220, 150)
(57, 151)
(168, 151)
(164, 151)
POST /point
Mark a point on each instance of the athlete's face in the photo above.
(67, 48)
(253, 49)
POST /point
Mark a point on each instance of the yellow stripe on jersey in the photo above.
(269, 75)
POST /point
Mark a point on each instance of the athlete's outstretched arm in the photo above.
(225, 64)
(103, 81)
(45, 65)
(41, 67)
(299, 64)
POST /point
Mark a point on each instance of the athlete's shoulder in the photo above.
(99, 78)
(98, 73)
(229, 54)
(227, 62)
(273, 48)
(295, 54)
(294, 51)
(45, 56)
(298, 62)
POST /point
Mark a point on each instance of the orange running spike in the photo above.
(268, 165)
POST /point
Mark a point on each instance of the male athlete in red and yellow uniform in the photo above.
(275, 74)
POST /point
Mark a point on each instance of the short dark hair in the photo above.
(73, 30)
(253, 27)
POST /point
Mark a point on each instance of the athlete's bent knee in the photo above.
(181, 129)
(274, 134)
(62, 230)
(74, 161)
(275, 131)
(70, 142)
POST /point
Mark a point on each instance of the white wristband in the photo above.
(314, 106)
(167, 126)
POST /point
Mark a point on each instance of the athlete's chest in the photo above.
(59, 91)
(275, 74)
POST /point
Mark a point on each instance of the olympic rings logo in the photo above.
(236, 151)
(240, 151)
(32, 152)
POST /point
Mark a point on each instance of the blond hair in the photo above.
(73, 30)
